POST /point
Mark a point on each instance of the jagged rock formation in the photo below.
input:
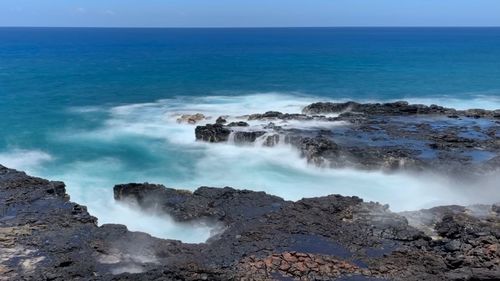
(334, 236)
(44, 236)
(396, 108)
(390, 136)
(212, 133)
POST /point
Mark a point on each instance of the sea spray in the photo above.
(144, 142)
(23, 159)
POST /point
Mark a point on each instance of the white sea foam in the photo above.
(158, 119)
(22, 159)
(279, 170)
(257, 168)
(86, 109)
(90, 183)
(490, 102)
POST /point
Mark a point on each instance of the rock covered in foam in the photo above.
(377, 136)
(191, 118)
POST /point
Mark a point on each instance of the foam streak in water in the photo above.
(144, 142)
(26, 160)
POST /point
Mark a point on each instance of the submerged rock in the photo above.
(221, 120)
(191, 118)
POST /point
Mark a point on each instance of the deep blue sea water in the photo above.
(94, 107)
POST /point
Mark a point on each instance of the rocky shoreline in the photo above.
(389, 136)
(44, 236)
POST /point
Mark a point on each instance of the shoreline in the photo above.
(260, 236)
(44, 236)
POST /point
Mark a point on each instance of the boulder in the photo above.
(212, 133)
(238, 124)
(221, 120)
(191, 118)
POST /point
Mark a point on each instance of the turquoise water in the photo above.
(96, 107)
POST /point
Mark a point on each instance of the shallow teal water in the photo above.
(45, 71)
(95, 107)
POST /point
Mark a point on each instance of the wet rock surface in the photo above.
(267, 238)
(44, 236)
(226, 205)
(191, 118)
(390, 136)
(395, 108)
(257, 236)
(212, 133)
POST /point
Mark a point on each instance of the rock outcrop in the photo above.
(44, 236)
(191, 118)
(212, 133)
(396, 108)
(389, 136)
(267, 238)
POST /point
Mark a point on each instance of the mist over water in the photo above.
(98, 107)
(145, 143)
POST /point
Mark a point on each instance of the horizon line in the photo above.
(255, 27)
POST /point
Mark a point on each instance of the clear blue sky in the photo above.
(241, 13)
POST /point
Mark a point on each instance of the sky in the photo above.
(248, 13)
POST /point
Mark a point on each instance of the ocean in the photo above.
(98, 107)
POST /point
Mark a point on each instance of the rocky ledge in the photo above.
(388, 136)
(44, 236)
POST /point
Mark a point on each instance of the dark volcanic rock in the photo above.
(269, 114)
(238, 124)
(221, 120)
(212, 133)
(272, 140)
(319, 149)
(225, 205)
(247, 137)
(382, 136)
(44, 236)
(395, 108)
(335, 236)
